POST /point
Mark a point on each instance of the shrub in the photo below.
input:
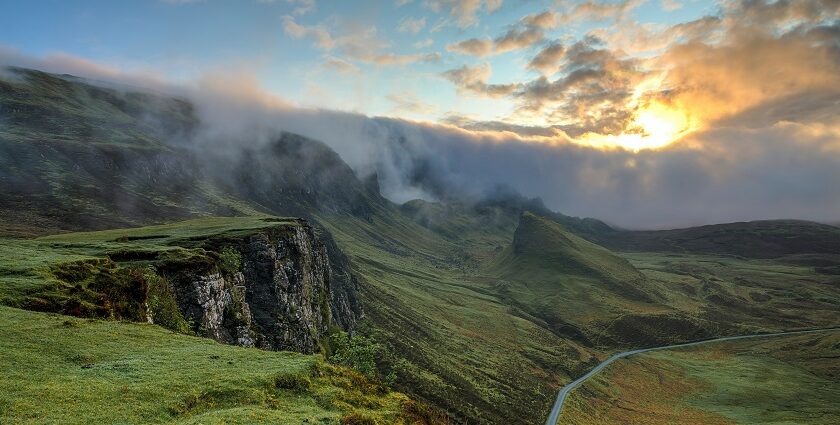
(162, 304)
(230, 261)
(298, 382)
(357, 352)
(357, 418)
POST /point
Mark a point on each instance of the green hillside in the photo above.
(580, 290)
(34, 272)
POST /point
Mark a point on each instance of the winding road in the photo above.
(564, 392)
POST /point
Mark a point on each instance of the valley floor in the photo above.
(785, 380)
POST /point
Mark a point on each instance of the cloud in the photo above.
(320, 34)
(671, 5)
(422, 44)
(748, 60)
(526, 33)
(408, 102)
(302, 7)
(545, 20)
(591, 93)
(475, 80)
(464, 11)
(341, 66)
(412, 25)
(473, 47)
(598, 10)
(361, 44)
(513, 39)
(547, 60)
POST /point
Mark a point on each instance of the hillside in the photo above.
(76, 156)
(251, 281)
(755, 239)
(582, 290)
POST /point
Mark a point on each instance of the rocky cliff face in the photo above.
(284, 294)
(287, 288)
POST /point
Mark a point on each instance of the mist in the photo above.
(783, 169)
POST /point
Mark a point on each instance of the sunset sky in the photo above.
(734, 101)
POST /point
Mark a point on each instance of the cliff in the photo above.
(273, 288)
(252, 281)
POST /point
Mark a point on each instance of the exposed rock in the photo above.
(344, 287)
(215, 307)
(287, 287)
(285, 296)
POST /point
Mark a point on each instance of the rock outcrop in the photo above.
(287, 287)
(284, 294)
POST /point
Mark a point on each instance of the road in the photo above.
(564, 392)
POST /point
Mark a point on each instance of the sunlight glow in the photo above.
(655, 126)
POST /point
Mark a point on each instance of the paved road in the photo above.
(564, 392)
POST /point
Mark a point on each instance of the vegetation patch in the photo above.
(162, 305)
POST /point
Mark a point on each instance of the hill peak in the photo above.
(538, 239)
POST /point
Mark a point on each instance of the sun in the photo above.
(654, 126)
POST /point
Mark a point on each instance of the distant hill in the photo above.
(539, 242)
(76, 156)
(754, 239)
(581, 289)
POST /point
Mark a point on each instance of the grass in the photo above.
(454, 341)
(57, 369)
(32, 269)
(758, 295)
(786, 380)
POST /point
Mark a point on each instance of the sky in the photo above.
(647, 113)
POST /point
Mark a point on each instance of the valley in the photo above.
(115, 214)
(786, 379)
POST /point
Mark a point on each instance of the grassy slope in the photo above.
(489, 331)
(757, 295)
(55, 369)
(463, 338)
(460, 345)
(789, 380)
(577, 287)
